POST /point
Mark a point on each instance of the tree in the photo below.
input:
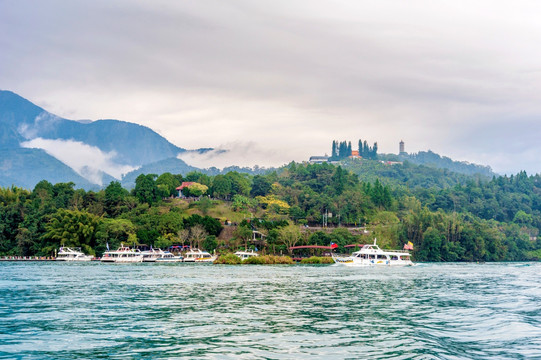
(73, 228)
(210, 243)
(243, 233)
(62, 194)
(197, 235)
(289, 236)
(168, 183)
(221, 187)
(261, 186)
(146, 190)
(114, 196)
(240, 185)
(113, 232)
(195, 189)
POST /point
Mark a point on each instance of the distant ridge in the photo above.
(117, 144)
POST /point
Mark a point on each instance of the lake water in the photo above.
(163, 311)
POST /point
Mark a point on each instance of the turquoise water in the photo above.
(164, 311)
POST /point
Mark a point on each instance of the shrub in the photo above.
(229, 259)
(318, 260)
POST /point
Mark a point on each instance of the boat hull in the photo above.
(349, 261)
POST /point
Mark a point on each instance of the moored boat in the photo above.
(152, 255)
(199, 256)
(246, 254)
(167, 257)
(72, 254)
(122, 255)
(372, 255)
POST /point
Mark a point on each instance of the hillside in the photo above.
(95, 151)
(496, 220)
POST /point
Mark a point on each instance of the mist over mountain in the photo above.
(36, 145)
(89, 153)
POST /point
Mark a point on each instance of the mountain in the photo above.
(26, 167)
(432, 159)
(85, 152)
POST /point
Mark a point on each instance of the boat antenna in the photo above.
(375, 241)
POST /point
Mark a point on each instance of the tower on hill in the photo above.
(402, 148)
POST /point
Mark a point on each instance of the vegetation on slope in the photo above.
(468, 219)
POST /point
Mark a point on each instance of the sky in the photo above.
(276, 81)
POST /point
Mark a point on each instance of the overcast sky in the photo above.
(279, 80)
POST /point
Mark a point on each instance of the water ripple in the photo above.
(142, 311)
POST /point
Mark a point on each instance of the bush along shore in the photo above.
(232, 259)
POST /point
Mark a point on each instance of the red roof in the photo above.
(185, 184)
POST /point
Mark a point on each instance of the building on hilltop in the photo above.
(355, 154)
(402, 150)
(318, 159)
(182, 186)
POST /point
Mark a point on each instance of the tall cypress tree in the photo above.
(375, 151)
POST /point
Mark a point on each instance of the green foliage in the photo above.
(289, 236)
(163, 242)
(228, 259)
(268, 260)
(318, 260)
(113, 232)
(211, 225)
(146, 190)
(447, 216)
(73, 228)
(221, 187)
(195, 189)
(210, 244)
(241, 202)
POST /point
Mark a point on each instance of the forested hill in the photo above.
(479, 220)
(407, 174)
(431, 159)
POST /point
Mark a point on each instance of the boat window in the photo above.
(394, 257)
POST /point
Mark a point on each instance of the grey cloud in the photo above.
(296, 73)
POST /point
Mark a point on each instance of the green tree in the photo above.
(113, 232)
(146, 190)
(115, 195)
(261, 186)
(289, 236)
(73, 228)
(221, 187)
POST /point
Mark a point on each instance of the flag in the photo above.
(333, 245)
(408, 246)
(107, 245)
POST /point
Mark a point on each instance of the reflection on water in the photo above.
(430, 311)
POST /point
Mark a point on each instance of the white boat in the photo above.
(167, 256)
(246, 254)
(122, 255)
(196, 255)
(152, 255)
(72, 254)
(372, 255)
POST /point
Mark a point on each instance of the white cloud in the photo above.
(43, 122)
(243, 154)
(88, 161)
